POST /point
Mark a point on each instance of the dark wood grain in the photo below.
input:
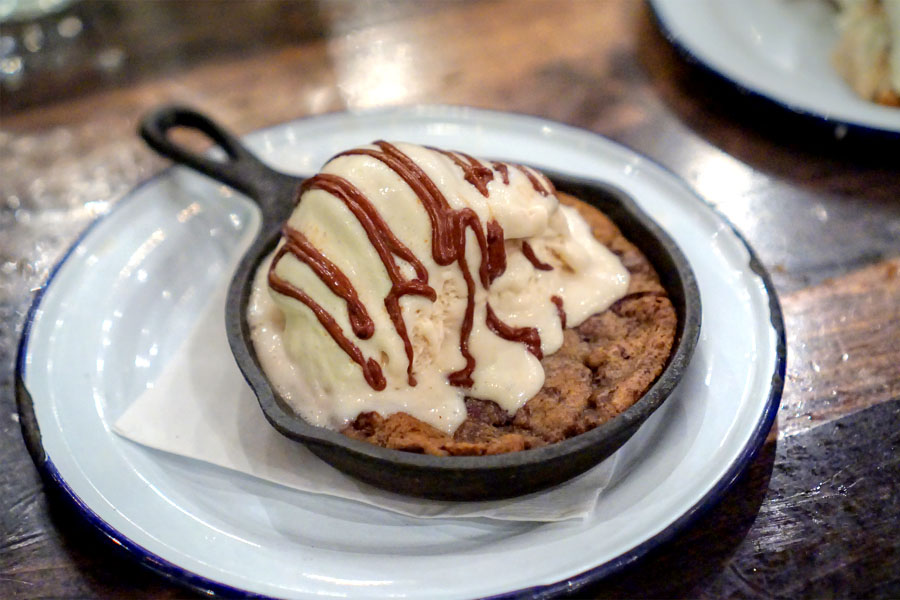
(783, 530)
(816, 515)
(843, 347)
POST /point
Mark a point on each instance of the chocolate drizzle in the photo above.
(503, 170)
(558, 301)
(524, 335)
(496, 249)
(473, 171)
(537, 184)
(387, 246)
(449, 228)
(371, 369)
(297, 244)
(534, 260)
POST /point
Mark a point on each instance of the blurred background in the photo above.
(816, 514)
(55, 48)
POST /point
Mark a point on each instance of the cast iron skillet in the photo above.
(450, 478)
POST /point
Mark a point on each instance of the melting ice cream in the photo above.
(408, 278)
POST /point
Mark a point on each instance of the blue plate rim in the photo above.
(48, 471)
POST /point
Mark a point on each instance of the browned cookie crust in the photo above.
(603, 367)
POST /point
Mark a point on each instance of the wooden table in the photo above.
(817, 514)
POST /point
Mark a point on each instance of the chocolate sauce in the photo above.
(536, 183)
(503, 170)
(558, 301)
(473, 171)
(297, 244)
(386, 245)
(524, 335)
(534, 260)
(496, 250)
(449, 229)
(371, 369)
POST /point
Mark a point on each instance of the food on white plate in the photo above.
(428, 301)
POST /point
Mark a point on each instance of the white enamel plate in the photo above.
(778, 49)
(116, 308)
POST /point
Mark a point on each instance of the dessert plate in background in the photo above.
(126, 295)
(778, 49)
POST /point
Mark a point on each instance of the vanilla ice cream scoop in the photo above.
(409, 278)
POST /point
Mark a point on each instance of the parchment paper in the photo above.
(201, 408)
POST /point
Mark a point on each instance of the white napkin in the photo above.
(201, 408)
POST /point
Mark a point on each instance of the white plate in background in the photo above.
(779, 49)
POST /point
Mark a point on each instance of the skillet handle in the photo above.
(271, 189)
